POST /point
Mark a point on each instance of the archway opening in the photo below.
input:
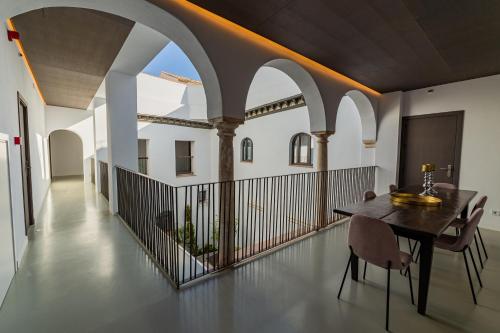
(66, 154)
(276, 112)
(353, 143)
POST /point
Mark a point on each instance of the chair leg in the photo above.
(468, 275)
(478, 252)
(411, 285)
(475, 268)
(364, 271)
(482, 243)
(409, 244)
(418, 255)
(345, 274)
(387, 299)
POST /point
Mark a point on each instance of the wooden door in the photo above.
(26, 163)
(433, 138)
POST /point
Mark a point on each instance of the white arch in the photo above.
(309, 89)
(148, 15)
(80, 148)
(367, 115)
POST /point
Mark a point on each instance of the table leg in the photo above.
(354, 267)
(426, 254)
(465, 212)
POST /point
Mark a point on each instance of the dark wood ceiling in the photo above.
(386, 45)
(70, 50)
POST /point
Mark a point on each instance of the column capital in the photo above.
(322, 136)
(369, 143)
(226, 126)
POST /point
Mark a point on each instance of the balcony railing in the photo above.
(103, 171)
(192, 231)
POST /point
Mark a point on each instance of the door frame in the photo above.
(5, 138)
(30, 219)
(458, 141)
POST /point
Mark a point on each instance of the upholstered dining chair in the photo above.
(461, 243)
(392, 188)
(374, 241)
(369, 195)
(460, 223)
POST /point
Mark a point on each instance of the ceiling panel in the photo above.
(70, 51)
(388, 46)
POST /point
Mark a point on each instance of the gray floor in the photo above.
(83, 272)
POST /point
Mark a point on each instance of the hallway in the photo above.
(83, 272)
(82, 268)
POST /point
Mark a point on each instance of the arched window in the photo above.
(300, 149)
(246, 150)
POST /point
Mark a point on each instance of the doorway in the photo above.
(29, 218)
(66, 154)
(7, 258)
(431, 138)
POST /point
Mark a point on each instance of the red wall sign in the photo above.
(17, 140)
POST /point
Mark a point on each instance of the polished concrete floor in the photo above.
(83, 272)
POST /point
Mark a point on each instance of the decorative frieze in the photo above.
(278, 106)
(281, 105)
(174, 121)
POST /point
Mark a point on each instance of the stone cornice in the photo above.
(281, 105)
(174, 121)
(278, 106)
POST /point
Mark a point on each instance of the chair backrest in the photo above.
(444, 186)
(374, 241)
(480, 203)
(369, 195)
(392, 188)
(468, 231)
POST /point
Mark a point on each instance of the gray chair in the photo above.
(374, 241)
(459, 224)
(369, 195)
(462, 242)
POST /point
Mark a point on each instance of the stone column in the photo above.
(322, 169)
(121, 115)
(226, 133)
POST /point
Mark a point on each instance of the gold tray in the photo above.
(416, 199)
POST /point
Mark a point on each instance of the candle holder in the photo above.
(428, 170)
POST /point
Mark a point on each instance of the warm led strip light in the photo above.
(10, 25)
(269, 44)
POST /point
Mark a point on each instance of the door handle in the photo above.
(448, 170)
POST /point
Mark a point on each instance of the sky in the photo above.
(172, 60)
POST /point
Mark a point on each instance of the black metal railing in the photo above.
(195, 230)
(103, 172)
(143, 165)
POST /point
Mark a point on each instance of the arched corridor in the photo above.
(66, 154)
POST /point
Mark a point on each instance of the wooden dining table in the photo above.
(421, 223)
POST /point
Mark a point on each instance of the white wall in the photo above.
(66, 154)
(346, 149)
(271, 137)
(77, 121)
(388, 136)
(15, 78)
(269, 85)
(161, 152)
(480, 162)
(161, 97)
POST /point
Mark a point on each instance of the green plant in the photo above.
(186, 235)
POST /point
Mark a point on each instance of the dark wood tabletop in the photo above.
(430, 220)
